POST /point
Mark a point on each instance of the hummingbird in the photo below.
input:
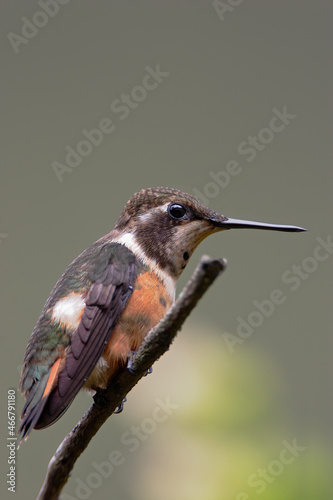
(110, 296)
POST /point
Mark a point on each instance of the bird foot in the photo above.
(99, 396)
(130, 365)
(149, 371)
(120, 408)
(100, 399)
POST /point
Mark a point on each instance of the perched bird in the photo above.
(111, 296)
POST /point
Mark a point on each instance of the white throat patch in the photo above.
(128, 239)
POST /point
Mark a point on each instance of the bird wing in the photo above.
(111, 287)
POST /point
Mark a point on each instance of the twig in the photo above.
(156, 343)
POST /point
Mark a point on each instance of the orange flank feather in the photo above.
(52, 380)
(145, 308)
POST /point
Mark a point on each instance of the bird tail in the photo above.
(36, 400)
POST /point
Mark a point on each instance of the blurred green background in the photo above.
(236, 401)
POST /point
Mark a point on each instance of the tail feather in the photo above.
(36, 400)
(33, 408)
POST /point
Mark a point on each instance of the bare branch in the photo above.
(156, 343)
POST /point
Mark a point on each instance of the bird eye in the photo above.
(177, 211)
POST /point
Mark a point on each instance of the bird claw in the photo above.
(120, 408)
(149, 371)
(130, 364)
(100, 398)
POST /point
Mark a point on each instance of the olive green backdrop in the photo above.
(185, 94)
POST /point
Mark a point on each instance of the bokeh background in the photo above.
(236, 403)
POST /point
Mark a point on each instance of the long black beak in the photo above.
(238, 223)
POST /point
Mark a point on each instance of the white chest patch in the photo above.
(69, 309)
